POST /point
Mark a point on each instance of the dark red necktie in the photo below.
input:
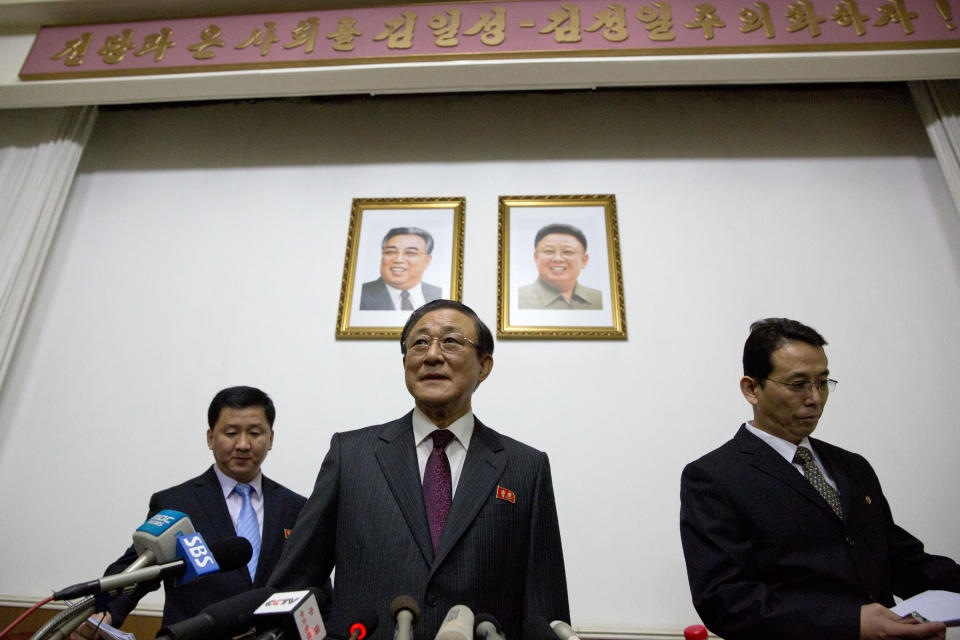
(438, 485)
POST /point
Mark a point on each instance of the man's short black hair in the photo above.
(409, 231)
(484, 337)
(567, 229)
(766, 336)
(241, 398)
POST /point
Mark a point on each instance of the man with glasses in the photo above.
(560, 253)
(434, 505)
(786, 536)
(405, 253)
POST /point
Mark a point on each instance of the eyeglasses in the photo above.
(568, 254)
(449, 343)
(410, 254)
(804, 387)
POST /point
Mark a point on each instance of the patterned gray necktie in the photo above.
(804, 457)
(405, 304)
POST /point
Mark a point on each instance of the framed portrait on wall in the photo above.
(401, 253)
(559, 268)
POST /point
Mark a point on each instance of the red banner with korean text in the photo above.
(488, 30)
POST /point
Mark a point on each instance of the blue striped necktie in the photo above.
(247, 525)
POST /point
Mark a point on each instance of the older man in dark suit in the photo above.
(435, 505)
(405, 253)
(240, 434)
(786, 536)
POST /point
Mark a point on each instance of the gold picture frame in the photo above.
(558, 268)
(374, 285)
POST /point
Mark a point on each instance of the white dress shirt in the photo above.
(462, 429)
(234, 501)
(788, 450)
(416, 296)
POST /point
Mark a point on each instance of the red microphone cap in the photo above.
(695, 632)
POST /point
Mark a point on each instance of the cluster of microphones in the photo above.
(295, 616)
(169, 548)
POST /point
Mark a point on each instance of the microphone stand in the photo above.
(63, 624)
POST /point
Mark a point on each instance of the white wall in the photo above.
(203, 247)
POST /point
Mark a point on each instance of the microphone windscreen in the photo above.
(404, 602)
(486, 617)
(235, 614)
(231, 553)
(225, 619)
(368, 620)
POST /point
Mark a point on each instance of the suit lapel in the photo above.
(397, 456)
(840, 475)
(481, 470)
(210, 496)
(384, 301)
(763, 457)
(270, 540)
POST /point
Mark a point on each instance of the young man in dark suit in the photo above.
(786, 536)
(434, 505)
(240, 434)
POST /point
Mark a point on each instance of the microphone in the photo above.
(156, 539)
(563, 630)
(537, 628)
(366, 623)
(291, 615)
(458, 625)
(195, 559)
(227, 618)
(488, 628)
(404, 610)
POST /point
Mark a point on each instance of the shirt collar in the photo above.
(784, 447)
(462, 428)
(227, 483)
(548, 294)
(395, 293)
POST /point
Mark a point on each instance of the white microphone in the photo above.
(156, 539)
(563, 630)
(156, 542)
(404, 610)
(488, 628)
(196, 559)
(458, 625)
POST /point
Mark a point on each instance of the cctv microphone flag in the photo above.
(297, 607)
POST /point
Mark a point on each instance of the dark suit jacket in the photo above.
(366, 516)
(202, 499)
(767, 558)
(375, 297)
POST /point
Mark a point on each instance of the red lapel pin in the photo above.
(506, 494)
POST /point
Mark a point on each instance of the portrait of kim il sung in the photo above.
(559, 269)
(401, 253)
